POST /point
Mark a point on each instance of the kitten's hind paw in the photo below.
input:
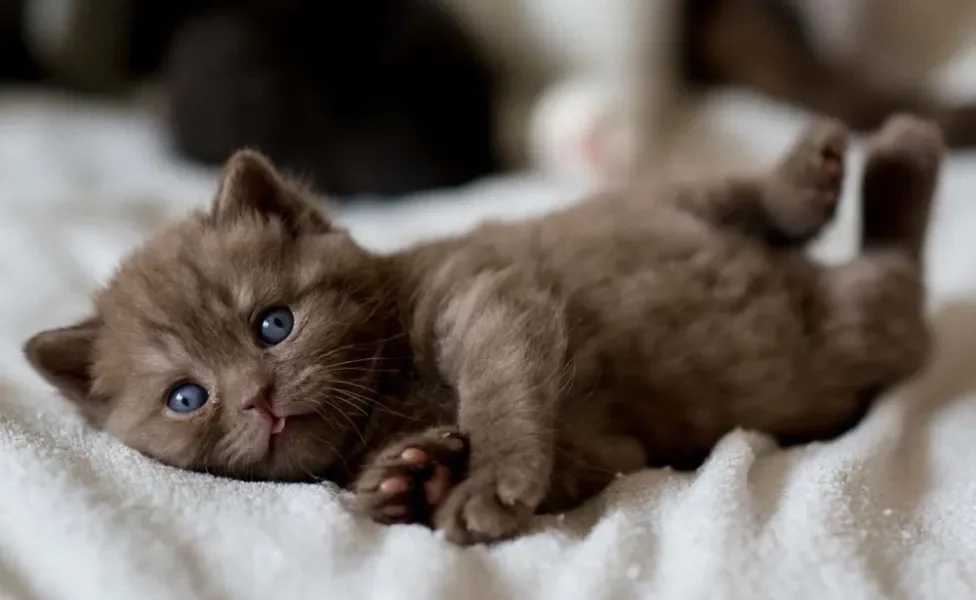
(806, 185)
(481, 509)
(916, 142)
(900, 175)
(411, 477)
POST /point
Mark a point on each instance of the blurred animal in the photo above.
(391, 96)
(596, 88)
(366, 97)
(371, 96)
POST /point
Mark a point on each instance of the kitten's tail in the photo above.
(900, 178)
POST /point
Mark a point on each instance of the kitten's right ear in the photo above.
(63, 357)
(250, 187)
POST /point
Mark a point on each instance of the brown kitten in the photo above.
(474, 381)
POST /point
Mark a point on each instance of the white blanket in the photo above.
(887, 511)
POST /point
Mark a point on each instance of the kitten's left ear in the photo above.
(63, 357)
(251, 187)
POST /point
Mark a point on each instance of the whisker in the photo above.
(352, 394)
(334, 450)
(365, 370)
(332, 352)
(355, 361)
(358, 385)
(377, 403)
(352, 424)
(349, 402)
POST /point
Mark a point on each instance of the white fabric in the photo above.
(887, 511)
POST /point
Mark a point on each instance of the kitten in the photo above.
(473, 381)
(367, 97)
(16, 63)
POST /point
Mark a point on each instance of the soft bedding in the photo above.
(886, 511)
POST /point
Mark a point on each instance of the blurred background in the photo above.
(389, 97)
(422, 117)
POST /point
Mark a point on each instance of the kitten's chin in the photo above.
(293, 447)
(297, 456)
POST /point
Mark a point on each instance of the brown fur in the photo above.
(634, 329)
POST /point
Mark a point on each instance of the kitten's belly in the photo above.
(692, 340)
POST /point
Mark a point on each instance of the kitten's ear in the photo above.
(63, 357)
(251, 187)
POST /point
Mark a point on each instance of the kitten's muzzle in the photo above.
(263, 403)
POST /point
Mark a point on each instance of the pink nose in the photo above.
(263, 401)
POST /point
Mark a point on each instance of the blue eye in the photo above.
(274, 325)
(186, 398)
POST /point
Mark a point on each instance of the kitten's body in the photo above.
(526, 364)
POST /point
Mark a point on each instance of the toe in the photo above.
(911, 139)
(414, 456)
(832, 137)
(437, 487)
(395, 510)
(395, 485)
(473, 513)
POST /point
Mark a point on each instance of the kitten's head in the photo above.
(243, 340)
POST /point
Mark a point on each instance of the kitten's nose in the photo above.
(263, 401)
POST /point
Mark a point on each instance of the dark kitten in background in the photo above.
(366, 96)
(394, 84)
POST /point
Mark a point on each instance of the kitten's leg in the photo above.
(900, 178)
(405, 481)
(504, 349)
(874, 321)
(786, 207)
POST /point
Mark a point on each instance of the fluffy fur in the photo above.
(473, 381)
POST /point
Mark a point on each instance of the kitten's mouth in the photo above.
(277, 429)
(278, 425)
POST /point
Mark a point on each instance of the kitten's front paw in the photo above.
(483, 509)
(808, 182)
(408, 479)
